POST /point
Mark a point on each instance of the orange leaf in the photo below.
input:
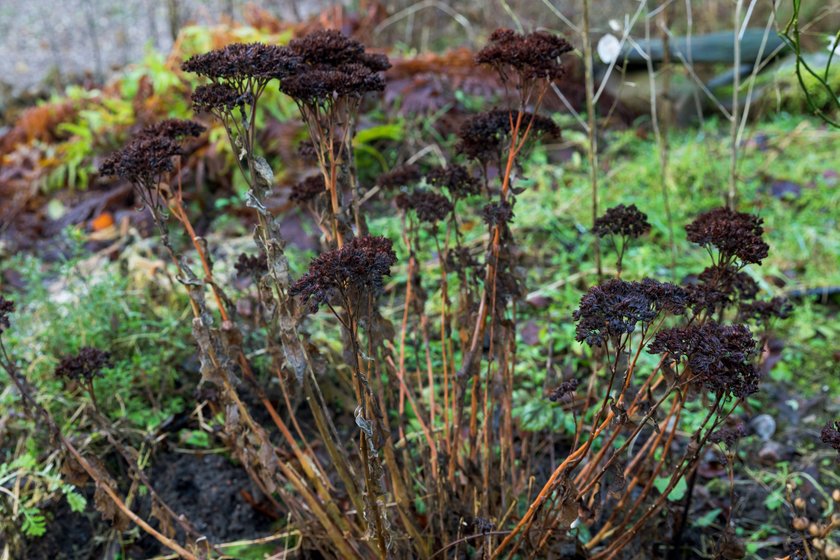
(102, 221)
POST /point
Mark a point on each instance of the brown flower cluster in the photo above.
(148, 155)
(720, 356)
(728, 436)
(626, 221)
(565, 388)
(616, 307)
(331, 47)
(830, 435)
(251, 266)
(7, 307)
(485, 135)
(733, 234)
(308, 189)
(430, 207)
(400, 176)
(332, 66)
(323, 85)
(143, 160)
(717, 287)
(219, 98)
(456, 179)
(764, 311)
(497, 213)
(355, 270)
(174, 129)
(239, 62)
(532, 56)
(85, 365)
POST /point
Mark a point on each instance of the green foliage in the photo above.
(87, 303)
(677, 493)
(34, 485)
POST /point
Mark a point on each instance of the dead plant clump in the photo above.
(431, 463)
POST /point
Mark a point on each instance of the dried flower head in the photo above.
(323, 85)
(143, 160)
(327, 46)
(308, 189)
(720, 356)
(733, 234)
(485, 135)
(616, 307)
(764, 311)
(430, 207)
(460, 258)
(497, 213)
(251, 266)
(219, 99)
(85, 365)
(333, 66)
(532, 56)
(235, 64)
(830, 435)
(7, 307)
(728, 435)
(717, 287)
(174, 129)
(456, 179)
(626, 221)
(404, 175)
(331, 48)
(565, 388)
(355, 270)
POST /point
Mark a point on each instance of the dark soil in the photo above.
(208, 490)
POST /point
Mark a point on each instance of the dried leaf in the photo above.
(73, 472)
(265, 175)
(162, 515)
(109, 510)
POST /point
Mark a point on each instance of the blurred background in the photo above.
(51, 43)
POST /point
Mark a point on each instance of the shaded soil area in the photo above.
(209, 490)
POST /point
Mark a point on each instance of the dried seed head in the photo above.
(626, 221)
(308, 190)
(213, 98)
(616, 307)
(330, 47)
(143, 160)
(401, 176)
(85, 365)
(720, 356)
(485, 135)
(830, 435)
(238, 62)
(733, 234)
(355, 270)
(174, 129)
(720, 286)
(764, 311)
(565, 388)
(430, 207)
(497, 213)
(333, 66)
(324, 84)
(728, 435)
(532, 56)
(327, 46)
(456, 179)
(253, 266)
(7, 307)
